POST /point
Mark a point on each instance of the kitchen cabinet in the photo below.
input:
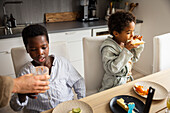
(103, 31)
(74, 45)
(6, 67)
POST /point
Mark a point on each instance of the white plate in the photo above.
(67, 106)
(160, 92)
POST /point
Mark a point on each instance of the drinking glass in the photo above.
(41, 70)
(168, 103)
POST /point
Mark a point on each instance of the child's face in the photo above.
(126, 34)
(38, 48)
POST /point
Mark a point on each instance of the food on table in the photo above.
(140, 90)
(121, 102)
(76, 110)
(168, 103)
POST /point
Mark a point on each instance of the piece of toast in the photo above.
(137, 42)
(121, 102)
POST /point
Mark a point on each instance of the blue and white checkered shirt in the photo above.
(63, 78)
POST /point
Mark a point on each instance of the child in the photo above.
(118, 53)
(63, 76)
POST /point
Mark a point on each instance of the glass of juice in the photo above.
(168, 103)
(41, 70)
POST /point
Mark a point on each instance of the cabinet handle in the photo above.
(70, 33)
(5, 52)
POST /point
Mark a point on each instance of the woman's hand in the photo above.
(31, 84)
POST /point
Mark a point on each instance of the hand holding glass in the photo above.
(41, 70)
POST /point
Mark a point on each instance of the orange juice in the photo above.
(168, 103)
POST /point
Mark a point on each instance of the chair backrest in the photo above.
(93, 67)
(161, 55)
(20, 57)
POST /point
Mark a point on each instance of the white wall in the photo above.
(156, 20)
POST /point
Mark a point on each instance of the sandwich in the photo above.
(137, 40)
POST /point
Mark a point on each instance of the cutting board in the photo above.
(60, 17)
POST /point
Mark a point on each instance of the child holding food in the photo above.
(63, 76)
(120, 50)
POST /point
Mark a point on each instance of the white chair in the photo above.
(161, 53)
(93, 67)
(20, 57)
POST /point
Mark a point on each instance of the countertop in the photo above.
(68, 26)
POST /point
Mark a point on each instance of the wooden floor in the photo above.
(7, 109)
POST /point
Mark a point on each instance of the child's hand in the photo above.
(130, 46)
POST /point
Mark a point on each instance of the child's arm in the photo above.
(79, 88)
(15, 104)
(114, 61)
(75, 80)
(137, 52)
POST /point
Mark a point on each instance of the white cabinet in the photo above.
(103, 31)
(6, 67)
(72, 38)
(100, 32)
(74, 45)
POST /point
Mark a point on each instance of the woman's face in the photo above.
(126, 34)
(38, 48)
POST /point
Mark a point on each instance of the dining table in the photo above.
(100, 102)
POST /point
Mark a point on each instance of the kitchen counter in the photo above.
(68, 26)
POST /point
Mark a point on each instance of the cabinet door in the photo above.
(6, 67)
(75, 48)
(55, 37)
(7, 44)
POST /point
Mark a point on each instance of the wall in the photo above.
(32, 11)
(156, 17)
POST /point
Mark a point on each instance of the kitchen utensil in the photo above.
(132, 6)
(149, 100)
(131, 107)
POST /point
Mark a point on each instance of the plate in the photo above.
(160, 92)
(117, 109)
(67, 106)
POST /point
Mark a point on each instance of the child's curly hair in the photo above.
(119, 20)
(32, 31)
